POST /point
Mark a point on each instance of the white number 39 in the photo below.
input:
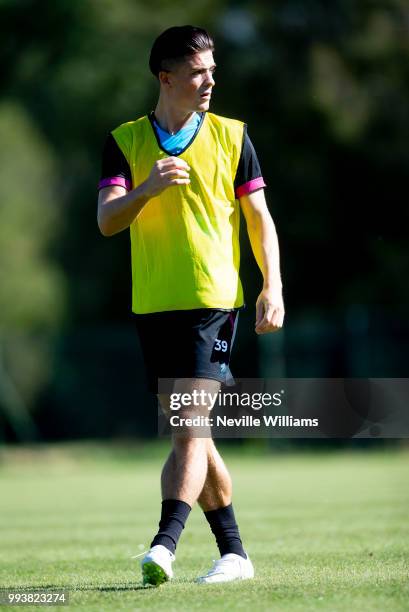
(220, 345)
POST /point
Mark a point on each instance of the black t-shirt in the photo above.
(116, 171)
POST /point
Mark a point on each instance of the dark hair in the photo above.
(174, 44)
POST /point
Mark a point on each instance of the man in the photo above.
(176, 178)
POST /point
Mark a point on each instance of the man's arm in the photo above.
(264, 243)
(117, 209)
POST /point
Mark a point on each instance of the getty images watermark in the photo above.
(226, 399)
(288, 408)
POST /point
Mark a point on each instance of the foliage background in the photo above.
(324, 91)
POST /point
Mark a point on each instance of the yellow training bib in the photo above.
(185, 242)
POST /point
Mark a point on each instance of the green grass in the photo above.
(326, 531)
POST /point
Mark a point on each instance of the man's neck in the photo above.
(170, 119)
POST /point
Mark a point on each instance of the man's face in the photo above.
(189, 84)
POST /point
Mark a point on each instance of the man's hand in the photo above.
(118, 209)
(264, 242)
(166, 173)
(269, 311)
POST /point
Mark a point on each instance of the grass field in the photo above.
(326, 531)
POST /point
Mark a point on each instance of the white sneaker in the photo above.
(157, 565)
(229, 567)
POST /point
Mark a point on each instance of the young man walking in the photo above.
(178, 178)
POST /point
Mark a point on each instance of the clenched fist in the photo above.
(269, 311)
(166, 173)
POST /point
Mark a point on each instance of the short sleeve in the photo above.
(115, 168)
(248, 176)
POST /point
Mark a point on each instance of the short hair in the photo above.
(175, 43)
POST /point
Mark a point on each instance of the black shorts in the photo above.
(187, 344)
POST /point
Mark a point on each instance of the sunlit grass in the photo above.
(325, 531)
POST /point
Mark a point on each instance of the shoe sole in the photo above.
(153, 574)
(198, 581)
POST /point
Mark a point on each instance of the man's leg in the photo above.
(217, 489)
(184, 473)
(215, 500)
(215, 496)
(194, 470)
(216, 503)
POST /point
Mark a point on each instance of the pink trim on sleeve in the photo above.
(115, 180)
(250, 186)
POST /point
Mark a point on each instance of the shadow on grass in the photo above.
(70, 588)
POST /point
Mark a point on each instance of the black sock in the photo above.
(172, 521)
(224, 526)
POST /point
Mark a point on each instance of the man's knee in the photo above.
(186, 447)
(189, 441)
(192, 418)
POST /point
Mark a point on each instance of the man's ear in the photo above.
(163, 77)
